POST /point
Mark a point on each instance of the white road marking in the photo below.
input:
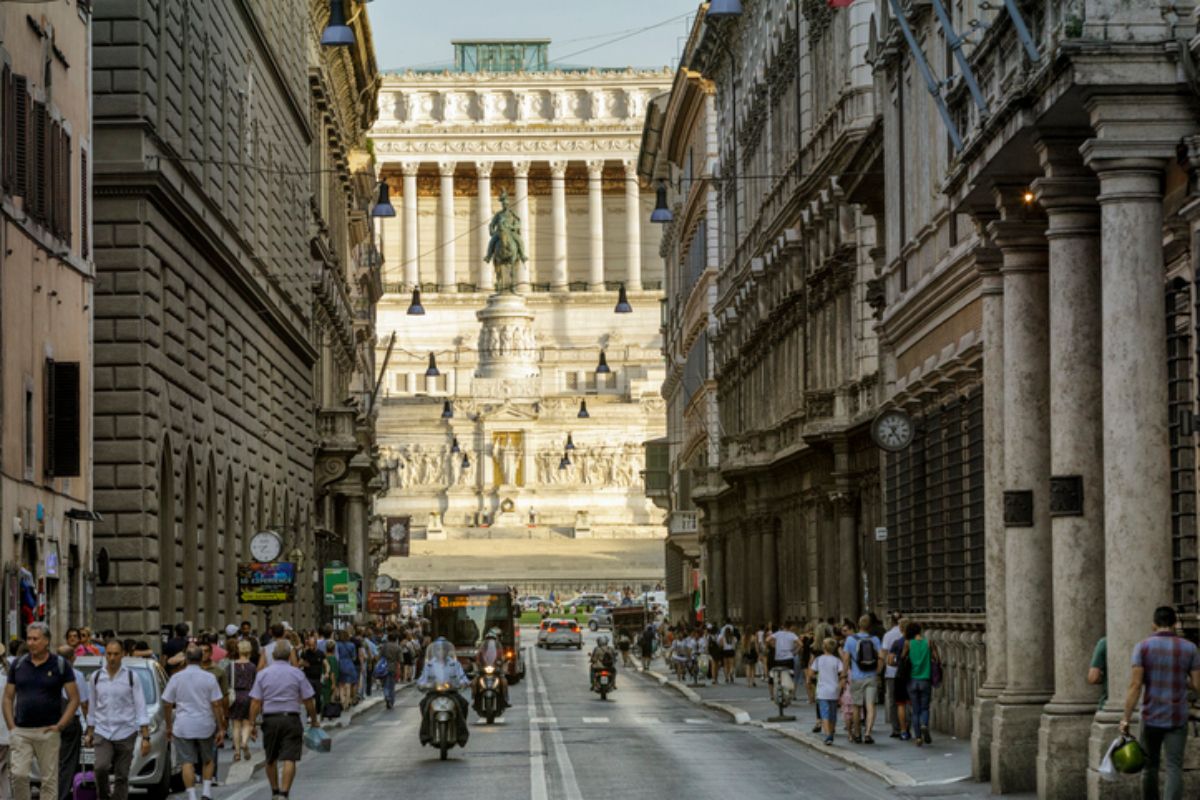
(544, 720)
(537, 762)
(566, 770)
(595, 720)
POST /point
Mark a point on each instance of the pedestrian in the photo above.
(862, 657)
(173, 647)
(898, 693)
(783, 644)
(893, 634)
(195, 725)
(5, 773)
(35, 713)
(391, 654)
(281, 693)
(329, 679)
(829, 674)
(243, 671)
(71, 739)
(750, 657)
(1162, 667)
(116, 716)
(312, 662)
(347, 653)
(727, 642)
(209, 665)
(86, 646)
(1097, 673)
(921, 656)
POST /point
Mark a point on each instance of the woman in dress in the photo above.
(347, 653)
(243, 673)
(329, 678)
(750, 656)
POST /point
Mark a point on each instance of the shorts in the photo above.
(827, 710)
(283, 737)
(864, 692)
(195, 751)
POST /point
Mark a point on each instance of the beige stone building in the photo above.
(561, 145)
(46, 305)
(233, 302)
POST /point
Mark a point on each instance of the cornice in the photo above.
(504, 143)
(600, 78)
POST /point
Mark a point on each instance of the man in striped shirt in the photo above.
(1162, 667)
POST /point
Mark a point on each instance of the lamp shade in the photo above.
(661, 213)
(623, 306)
(720, 9)
(447, 411)
(583, 412)
(602, 367)
(466, 461)
(337, 33)
(570, 443)
(415, 309)
(564, 462)
(432, 370)
(383, 205)
(454, 448)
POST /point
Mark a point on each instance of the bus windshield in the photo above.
(465, 618)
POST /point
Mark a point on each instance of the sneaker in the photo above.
(828, 740)
(906, 736)
(925, 735)
(896, 735)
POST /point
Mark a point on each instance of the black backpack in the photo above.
(865, 654)
(606, 659)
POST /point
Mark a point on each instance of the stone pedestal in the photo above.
(507, 349)
(583, 525)
(433, 528)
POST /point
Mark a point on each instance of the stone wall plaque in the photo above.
(1018, 509)
(1066, 496)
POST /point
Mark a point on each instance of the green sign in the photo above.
(338, 587)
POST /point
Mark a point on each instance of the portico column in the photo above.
(1028, 574)
(987, 263)
(558, 221)
(770, 570)
(356, 534)
(521, 173)
(849, 584)
(412, 273)
(633, 226)
(596, 225)
(716, 569)
(751, 591)
(483, 180)
(446, 280)
(1068, 195)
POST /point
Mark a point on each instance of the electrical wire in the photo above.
(622, 37)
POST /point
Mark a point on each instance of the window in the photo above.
(17, 145)
(84, 220)
(37, 183)
(62, 419)
(28, 433)
(1184, 574)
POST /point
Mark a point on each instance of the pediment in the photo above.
(509, 412)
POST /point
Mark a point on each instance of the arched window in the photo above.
(166, 533)
(212, 562)
(191, 565)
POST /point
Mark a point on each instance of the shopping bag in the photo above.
(83, 786)
(317, 740)
(1108, 770)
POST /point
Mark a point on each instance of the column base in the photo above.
(982, 715)
(1015, 745)
(444, 288)
(596, 287)
(1062, 758)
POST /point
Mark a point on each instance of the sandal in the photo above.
(237, 755)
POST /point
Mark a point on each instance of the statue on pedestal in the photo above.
(506, 247)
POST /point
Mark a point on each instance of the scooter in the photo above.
(443, 718)
(602, 682)
(487, 697)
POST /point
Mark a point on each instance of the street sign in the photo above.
(266, 583)
(881, 534)
(383, 602)
(338, 588)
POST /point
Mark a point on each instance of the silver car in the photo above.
(560, 633)
(155, 772)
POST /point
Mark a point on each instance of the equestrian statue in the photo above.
(505, 248)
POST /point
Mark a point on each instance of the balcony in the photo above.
(683, 523)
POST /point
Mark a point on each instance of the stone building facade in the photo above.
(561, 145)
(1039, 279)
(46, 284)
(225, 298)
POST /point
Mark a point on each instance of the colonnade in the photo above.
(481, 275)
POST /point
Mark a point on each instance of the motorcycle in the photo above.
(602, 682)
(443, 713)
(487, 694)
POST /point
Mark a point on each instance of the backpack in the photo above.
(866, 656)
(606, 659)
(96, 679)
(60, 664)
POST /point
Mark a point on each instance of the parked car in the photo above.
(156, 772)
(560, 633)
(533, 602)
(586, 599)
(601, 618)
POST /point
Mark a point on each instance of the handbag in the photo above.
(332, 710)
(381, 669)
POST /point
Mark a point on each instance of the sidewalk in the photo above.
(947, 760)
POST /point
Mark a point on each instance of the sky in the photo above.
(417, 33)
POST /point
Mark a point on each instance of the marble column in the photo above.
(446, 278)
(633, 226)
(558, 221)
(987, 263)
(483, 180)
(596, 225)
(1029, 647)
(356, 535)
(521, 189)
(751, 591)
(412, 273)
(849, 582)
(1068, 195)
(716, 572)
(1137, 479)
(770, 571)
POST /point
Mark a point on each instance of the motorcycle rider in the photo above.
(604, 657)
(490, 654)
(441, 668)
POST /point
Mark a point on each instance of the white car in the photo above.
(533, 602)
(560, 633)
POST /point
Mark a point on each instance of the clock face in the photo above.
(893, 430)
(265, 546)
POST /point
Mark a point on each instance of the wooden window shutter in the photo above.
(20, 146)
(40, 185)
(54, 176)
(8, 121)
(62, 419)
(84, 222)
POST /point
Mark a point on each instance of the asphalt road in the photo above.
(561, 742)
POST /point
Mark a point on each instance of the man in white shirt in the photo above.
(192, 703)
(783, 642)
(889, 674)
(116, 715)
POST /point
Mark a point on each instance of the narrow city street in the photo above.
(559, 741)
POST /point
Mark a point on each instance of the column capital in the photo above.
(410, 168)
(483, 169)
(521, 169)
(595, 168)
(631, 166)
(558, 169)
(446, 168)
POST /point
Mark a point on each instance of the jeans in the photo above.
(69, 748)
(27, 744)
(389, 688)
(113, 758)
(920, 694)
(1154, 741)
